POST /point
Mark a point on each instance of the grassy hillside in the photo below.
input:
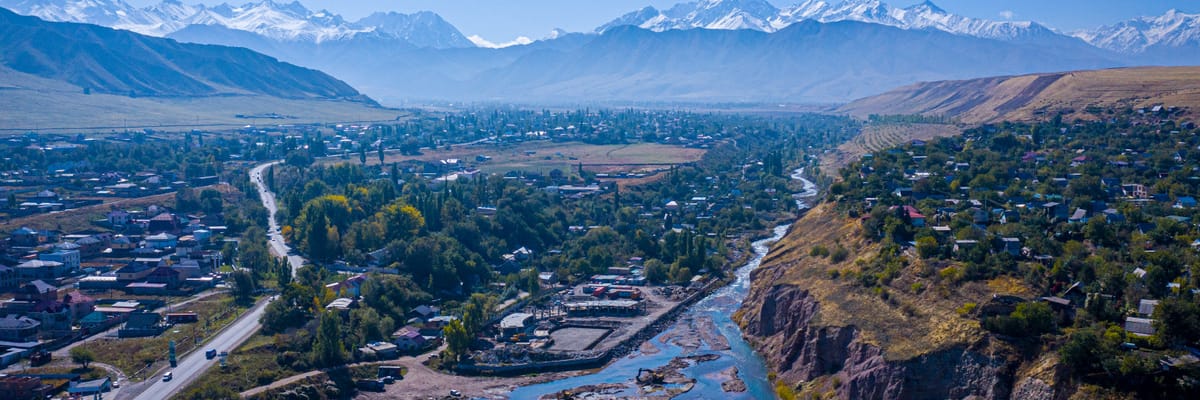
(1089, 95)
(105, 60)
(29, 103)
(913, 314)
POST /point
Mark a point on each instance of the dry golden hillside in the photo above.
(1031, 97)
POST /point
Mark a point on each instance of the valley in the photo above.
(743, 199)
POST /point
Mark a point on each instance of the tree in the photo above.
(243, 285)
(1177, 321)
(656, 271)
(82, 356)
(927, 247)
(328, 346)
(475, 312)
(458, 340)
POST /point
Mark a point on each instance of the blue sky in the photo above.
(504, 20)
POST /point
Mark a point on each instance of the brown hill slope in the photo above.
(1029, 97)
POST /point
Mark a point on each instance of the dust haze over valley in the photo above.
(738, 199)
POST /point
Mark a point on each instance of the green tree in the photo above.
(458, 340)
(656, 271)
(243, 285)
(1177, 321)
(927, 247)
(82, 356)
(328, 348)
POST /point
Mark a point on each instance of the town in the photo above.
(506, 241)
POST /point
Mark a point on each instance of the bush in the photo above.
(818, 251)
(966, 309)
(839, 254)
(1029, 319)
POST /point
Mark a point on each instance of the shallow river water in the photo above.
(719, 306)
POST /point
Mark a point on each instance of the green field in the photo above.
(545, 156)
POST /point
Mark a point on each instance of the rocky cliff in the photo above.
(823, 335)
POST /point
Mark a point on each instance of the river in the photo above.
(719, 306)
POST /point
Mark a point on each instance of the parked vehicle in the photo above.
(370, 385)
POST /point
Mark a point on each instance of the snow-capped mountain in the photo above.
(707, 14)
(287, 22)
(760, 15)
(421, 29)
(1171, 30)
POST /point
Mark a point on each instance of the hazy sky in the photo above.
(504, 20)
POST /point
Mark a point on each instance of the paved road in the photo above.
(193, 365)
(277, 245)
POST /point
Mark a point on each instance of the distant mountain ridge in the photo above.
(104, 60)
(285, 22)
(762, 16)
(1173, 30)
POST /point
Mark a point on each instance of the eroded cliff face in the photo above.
(779, 320)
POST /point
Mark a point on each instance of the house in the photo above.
(918, 219)
(341, 304)
(424, 312)
(68, 258)
(19, 328)
(142, 324)
(1010, 217)
(1078, 217)
(409, 339)
(1185, 202)
(1146, 307)
(90, 388)
(37, 292)
(1139, 326)
(380, 350)
(162, 241)
(118, 218)
(90, 246)
(1011, 245)
(41, 269)
(164, 222)
(964, 244)
(441, 322)
(351, 287)
(137, 269)
(165, 275)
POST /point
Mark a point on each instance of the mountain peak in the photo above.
(927, 5)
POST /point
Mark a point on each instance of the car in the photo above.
(167, 376)
(210, 354)
(388, 380)
(117, 384)
(455, 393)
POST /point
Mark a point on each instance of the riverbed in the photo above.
(703, 331)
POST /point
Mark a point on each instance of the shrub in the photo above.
(966, 309)
(839, 254)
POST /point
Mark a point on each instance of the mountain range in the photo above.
(288, 22)
(707, 50)
(105, 60)
(1172, 30)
